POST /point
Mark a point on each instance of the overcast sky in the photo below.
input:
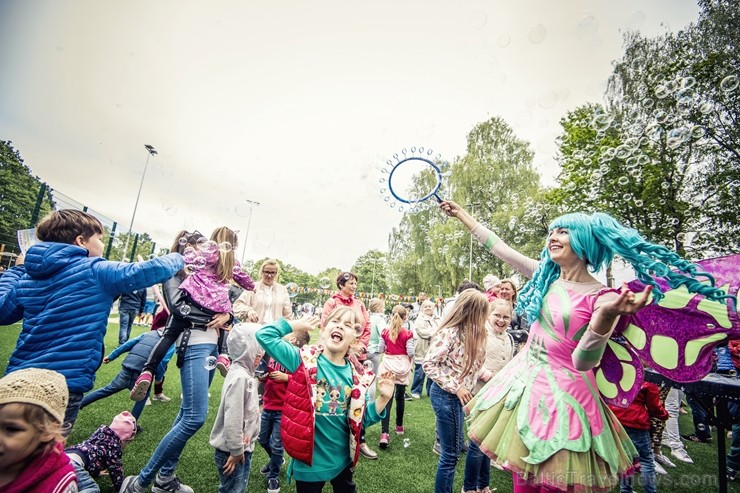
(292, 104)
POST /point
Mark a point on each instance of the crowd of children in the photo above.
(318, 398)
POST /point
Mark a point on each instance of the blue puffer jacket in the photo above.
(64, 298)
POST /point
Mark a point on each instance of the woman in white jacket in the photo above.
(424, 327)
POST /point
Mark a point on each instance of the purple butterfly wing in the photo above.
(676, 336)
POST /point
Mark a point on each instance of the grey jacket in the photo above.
(237, 424)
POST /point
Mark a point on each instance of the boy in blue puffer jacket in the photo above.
(63, 291)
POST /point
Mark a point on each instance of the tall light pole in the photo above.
(251, 204)
(150, 152)
(470, 261)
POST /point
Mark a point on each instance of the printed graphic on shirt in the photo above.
(331, 399)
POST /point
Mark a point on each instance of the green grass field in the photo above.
(398, 469)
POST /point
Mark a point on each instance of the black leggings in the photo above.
(341, 484)
(400, 395)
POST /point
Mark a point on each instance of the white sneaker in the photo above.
(664, 461)
(682, 455)
(148, 401)
(659, 469)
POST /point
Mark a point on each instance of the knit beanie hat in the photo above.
(490, 281)
(44, 388)
(124, 425)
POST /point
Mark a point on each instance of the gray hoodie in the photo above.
(237, 423)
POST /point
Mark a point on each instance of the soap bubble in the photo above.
(324, 282)
(201, 241)
(292, 289)
(185, 310)
(210, 363)
(198, 262)
(182, 241)
(537, 34)
(209, 246)
(623, 180)
(308, 309)
(729, 83)
(225, 247)
(189, 255)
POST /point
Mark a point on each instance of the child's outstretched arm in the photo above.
(271, 339)
(116, 278)
(243, 279)
(10, 311)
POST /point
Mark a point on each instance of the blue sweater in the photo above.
(64, 298)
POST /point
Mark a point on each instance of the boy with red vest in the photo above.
(326, 400)
(276, 384)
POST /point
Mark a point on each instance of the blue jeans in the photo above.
(417, 385)
(477, 469)
(85, 482)
(195, 380)
(270, 440)
(648, 481)
(448, 410)
(238, 480)
(126, 321)
(70, 414)
(124, 380)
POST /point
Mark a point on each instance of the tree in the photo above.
(662, 154)
(496, 180)
(371, 270)
(18, 196)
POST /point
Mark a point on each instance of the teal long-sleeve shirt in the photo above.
(331, 427)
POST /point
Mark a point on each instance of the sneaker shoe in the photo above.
(407, 397)
(170, 485)
(384, 440)
(664, 461)
(141, 386)
(731, 474)
(160, 398)
(682, 455)
(367, 452)
(465, 446)
(265, 470)
(223, 364)
(399, 430)
(415, 396)
(697, 439)
(437, 449)
(659, 469)
(273, 486)
(148, 401)
(131, 485)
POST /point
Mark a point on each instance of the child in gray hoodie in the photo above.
(237, 425)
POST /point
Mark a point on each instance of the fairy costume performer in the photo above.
(542, 417)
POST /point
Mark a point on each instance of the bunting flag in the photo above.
(366, 296)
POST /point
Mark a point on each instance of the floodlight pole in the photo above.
(150, 152)
(251, 203)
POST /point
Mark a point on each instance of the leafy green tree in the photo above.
(18, 196)
(497, 182)
(371, 270)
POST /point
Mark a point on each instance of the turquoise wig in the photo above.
(596, 238)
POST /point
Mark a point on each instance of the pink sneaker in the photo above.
(399, 430)
(384, 440)
(223, 364)
(141, 387)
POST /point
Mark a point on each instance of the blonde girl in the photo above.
(453, 362)
(397, 343)
(32, 458)
(499, 351)
(377, 324)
